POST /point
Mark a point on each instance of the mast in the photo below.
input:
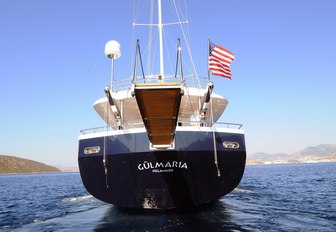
(160, 25)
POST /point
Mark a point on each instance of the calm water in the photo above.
(270, 198)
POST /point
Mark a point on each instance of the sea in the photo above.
(292, 197)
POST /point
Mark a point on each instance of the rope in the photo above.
(105, 159)
(187, 41)
(214, 142)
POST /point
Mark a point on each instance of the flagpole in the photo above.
(208, 58)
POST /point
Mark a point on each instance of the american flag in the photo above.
(220, 60)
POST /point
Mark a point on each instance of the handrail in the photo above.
(228, 124)
(188, 80)
(94, 129)
(180, 124)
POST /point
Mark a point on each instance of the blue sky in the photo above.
(53, 68)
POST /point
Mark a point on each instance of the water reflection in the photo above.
(213, 217)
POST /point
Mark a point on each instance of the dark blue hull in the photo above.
(140, 177)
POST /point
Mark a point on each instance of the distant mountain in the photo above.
(261, 156)
(323, 150)
(67, 169)
(312, 154)
(12, 164)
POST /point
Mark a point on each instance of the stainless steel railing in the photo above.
(180, 124)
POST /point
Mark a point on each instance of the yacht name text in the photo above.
(162, 166)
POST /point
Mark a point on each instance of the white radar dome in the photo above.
(112, 49)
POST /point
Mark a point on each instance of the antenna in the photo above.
(112, 51)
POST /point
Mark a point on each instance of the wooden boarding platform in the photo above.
(159, 105)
